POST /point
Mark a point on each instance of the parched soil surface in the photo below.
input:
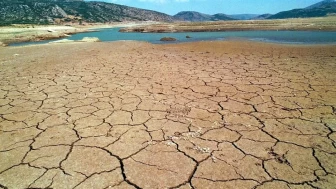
(196, 115)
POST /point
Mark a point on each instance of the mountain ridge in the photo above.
(320, 9)
(80, 11)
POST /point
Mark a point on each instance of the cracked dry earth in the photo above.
(196, 115)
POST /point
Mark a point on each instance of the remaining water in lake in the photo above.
(291, 37)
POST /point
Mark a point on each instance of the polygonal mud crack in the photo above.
(166, 167)
(198, 115)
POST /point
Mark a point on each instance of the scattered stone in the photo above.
(201, 149)
(50, 30)
(188, 37)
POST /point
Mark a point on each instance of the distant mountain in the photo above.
(323, 8)
(261, 17)
(65, 11)
(243, 16)
(193, 16)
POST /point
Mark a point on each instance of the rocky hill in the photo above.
(67, 11)
(193, 16)
(323, 8)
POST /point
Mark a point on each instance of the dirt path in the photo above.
(197, 115)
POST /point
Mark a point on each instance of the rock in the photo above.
(47, 36)
(188, 36)
(167, 39)
(90, 39)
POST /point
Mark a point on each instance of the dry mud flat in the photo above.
(197, 115)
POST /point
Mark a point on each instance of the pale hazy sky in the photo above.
(217, 6)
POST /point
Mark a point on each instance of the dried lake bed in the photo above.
(224, 114)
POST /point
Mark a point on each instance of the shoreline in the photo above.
(191, 30)
(35, 33)
(246, 40)
(191, 43)
(298, 24)
(28, 33)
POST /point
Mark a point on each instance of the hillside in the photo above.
(193, 16)
(323, 8)
(322, 4)
(71, 11)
